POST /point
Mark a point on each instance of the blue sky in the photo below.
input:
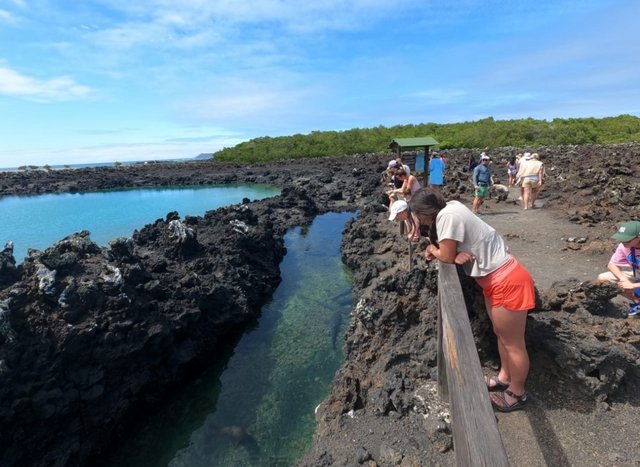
(119, 80)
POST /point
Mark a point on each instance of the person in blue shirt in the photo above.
(481, 182)
(436, 172)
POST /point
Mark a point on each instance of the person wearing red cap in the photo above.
(624, 265)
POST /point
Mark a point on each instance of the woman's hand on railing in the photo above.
(464, 257)
(428, 253)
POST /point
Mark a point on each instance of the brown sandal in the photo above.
(499, 401)
(497, 384)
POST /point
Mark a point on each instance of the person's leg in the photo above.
(509, 327)
(525, 197)
(605, 277)
(475, 205)
(533, 197)
(480, 201)
(504, 374)
(630, 295)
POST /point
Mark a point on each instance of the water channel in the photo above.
(255, 405)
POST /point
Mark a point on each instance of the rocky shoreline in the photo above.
(90, 337)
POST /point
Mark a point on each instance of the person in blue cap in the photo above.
(624, 265)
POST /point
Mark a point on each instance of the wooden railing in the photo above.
(476, 438)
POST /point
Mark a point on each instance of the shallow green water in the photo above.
(40, 221)
(264, 390)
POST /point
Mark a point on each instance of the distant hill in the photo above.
(204, 156)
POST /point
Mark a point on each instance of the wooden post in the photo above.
(476, 438)
(443, 388)
(410, 254)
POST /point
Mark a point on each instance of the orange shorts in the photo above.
(509, 286)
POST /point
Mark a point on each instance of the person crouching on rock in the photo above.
(389, 175)
(410, 185)
(624, 265)
(399, 211)
(458, 236)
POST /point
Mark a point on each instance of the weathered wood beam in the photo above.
(476, 438)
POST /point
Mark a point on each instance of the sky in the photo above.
(85, 81)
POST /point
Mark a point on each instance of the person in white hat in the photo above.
(399, 211)
(531, 174)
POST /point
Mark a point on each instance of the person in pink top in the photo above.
(624, 265)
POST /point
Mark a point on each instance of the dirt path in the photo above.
(541, 240)
(567, 432)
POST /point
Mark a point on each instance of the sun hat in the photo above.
(627, 231)
(485, 157)
(527, 156)
(397, 207)
(392, 164)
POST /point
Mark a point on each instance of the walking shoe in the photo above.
(634, 309)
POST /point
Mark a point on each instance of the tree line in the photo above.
(485, 133)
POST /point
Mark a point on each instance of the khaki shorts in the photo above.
(610, 277)
(529, 183)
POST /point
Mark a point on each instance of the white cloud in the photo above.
(245, 103)
(6, 17)
(61, 88)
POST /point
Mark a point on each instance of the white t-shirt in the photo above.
(456, 222)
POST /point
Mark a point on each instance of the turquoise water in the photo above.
(40, 221)
(255, 405)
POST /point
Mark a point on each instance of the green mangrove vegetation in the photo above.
(478, 134)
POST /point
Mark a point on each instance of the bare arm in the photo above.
(445, 252)
(616, 271)
(623, 280)
(404, 188)
(541, 175)
(413, 232)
